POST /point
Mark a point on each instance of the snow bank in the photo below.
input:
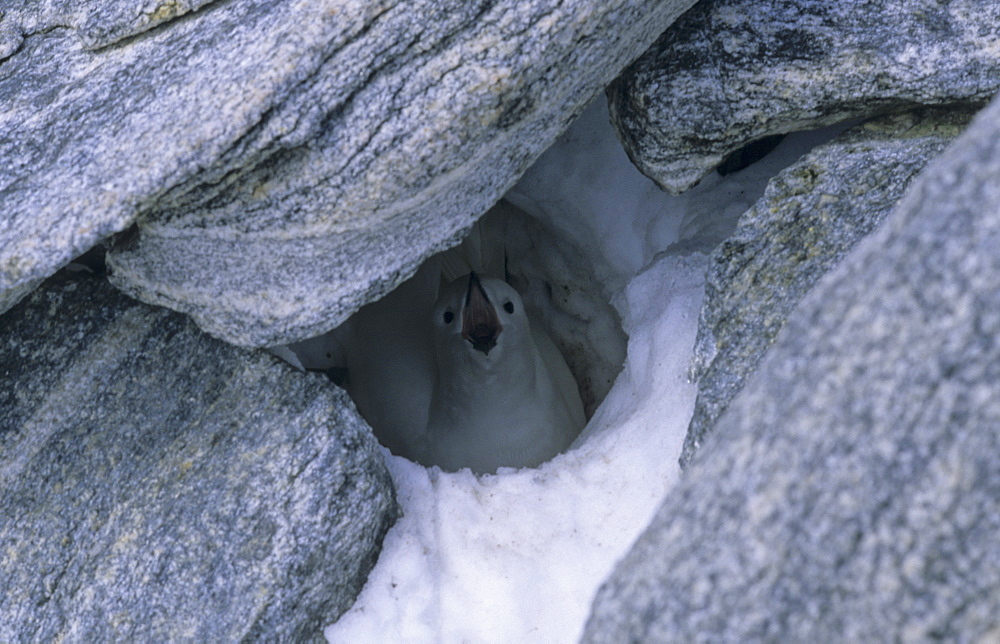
(517, 556)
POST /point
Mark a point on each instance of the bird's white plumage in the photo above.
(515, 405)
(426, 390)
(431, 396)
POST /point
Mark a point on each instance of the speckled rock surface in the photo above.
(285, 161)
(851, 492)
(159, 485)
(733, 71)
(810, 217)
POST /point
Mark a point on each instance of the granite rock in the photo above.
(809, 218)
(731, 72)
(282, 163)
(157, 484)
(851, 491)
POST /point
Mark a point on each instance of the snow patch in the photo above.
(518, 556)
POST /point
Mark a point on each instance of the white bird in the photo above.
(488, 389)
(502, 393)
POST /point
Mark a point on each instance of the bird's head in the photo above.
(481, 317)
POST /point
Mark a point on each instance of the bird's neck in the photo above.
(493, 376)
(487, 388)
(493, 413)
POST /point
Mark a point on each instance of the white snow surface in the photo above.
(517, 556)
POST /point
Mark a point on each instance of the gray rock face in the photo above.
(285, 162)
(851, 492)
(159, 485)
(810, 216)
(733, 71)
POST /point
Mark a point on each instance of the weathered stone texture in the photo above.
(159, 485)
(285, 162)
(851, 492)
(730, 72)
(811, 215)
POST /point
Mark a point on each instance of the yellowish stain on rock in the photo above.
(167, 11)
(260, 191)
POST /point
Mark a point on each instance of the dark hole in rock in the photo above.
(389, 355)
(749, 154)
(92, 261)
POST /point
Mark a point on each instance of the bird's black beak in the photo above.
(480, 322)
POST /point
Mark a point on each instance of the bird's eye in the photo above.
(448, 317)
(508, 306)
